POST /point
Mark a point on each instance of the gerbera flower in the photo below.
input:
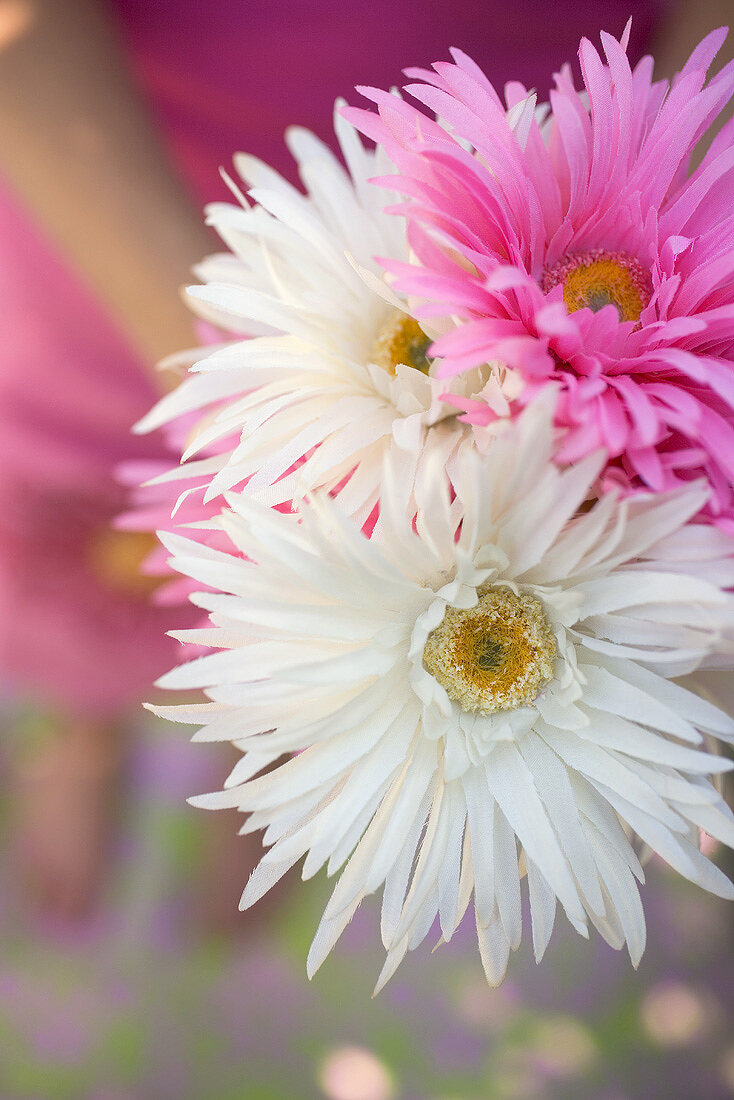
(576, 247)
(330, 369)
(498, 673)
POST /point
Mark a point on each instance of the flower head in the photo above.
(329, 369)
(78, 632)
(576, 247)
(497, 673)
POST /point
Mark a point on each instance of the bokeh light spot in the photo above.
(353, 1073)
(727, 1068)
(484, 1009)
(16, 19)
(563, 1047)
(672, 1014)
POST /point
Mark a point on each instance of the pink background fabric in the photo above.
(231, 75)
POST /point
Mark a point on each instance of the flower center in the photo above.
(594, 279)
(495, 656)
(401, 340)
(116, 557)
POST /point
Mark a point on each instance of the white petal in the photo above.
(480, 813)
(511, 782)
(507, 879)
(494, 949)
(554, 787)
(542, 909)
(624, 895)
(327, 933)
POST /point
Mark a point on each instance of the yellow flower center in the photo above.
(401, 340)
(117, 556)
(594, 279)
(494, 656)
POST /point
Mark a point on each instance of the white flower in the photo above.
(501, 675)
(337, 372)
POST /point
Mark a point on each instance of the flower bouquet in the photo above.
(463, 467)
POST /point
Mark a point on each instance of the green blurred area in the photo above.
(140, 1004)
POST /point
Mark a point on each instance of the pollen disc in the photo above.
(594, 279)
(494, 656)
(402, 341)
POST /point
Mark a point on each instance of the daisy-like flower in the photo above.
(330, 370)
(477, 697)
(576, 247)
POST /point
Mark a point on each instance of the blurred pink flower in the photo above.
(572, 245)
(165, 496)
(77, 628)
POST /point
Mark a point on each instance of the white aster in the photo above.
(322, 380)
(406, 781)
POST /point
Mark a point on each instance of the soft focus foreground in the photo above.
(133, 1005)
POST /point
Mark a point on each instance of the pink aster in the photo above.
(573, 243)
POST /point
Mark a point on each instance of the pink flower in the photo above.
(78, 631)
(572, 244)
(166, 496)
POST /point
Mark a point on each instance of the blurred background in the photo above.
(126, 972)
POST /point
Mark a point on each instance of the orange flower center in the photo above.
(594, 279)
